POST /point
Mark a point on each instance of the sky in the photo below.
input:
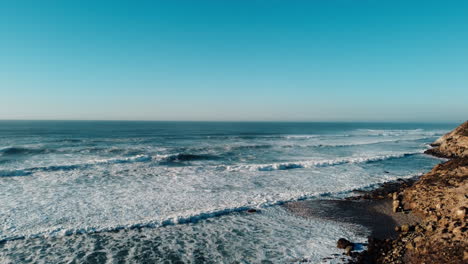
(243, 60)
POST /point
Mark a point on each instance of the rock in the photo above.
(343, 243)
(348, 250)
(405, 228)
(396, 206)
(409, 246)
(453, 144)
(440, 198)
(417, 239)
(457, 231)
(419, 229)
(461, 212)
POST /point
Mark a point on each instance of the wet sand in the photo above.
(376, 215)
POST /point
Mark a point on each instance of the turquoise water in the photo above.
(176, 192)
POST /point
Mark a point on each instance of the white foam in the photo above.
(315, 162)
(86, 193)
(272, 235)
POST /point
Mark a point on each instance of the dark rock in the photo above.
(344, 243)
(348, 250)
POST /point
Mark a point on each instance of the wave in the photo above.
(199, 216)
(136, 158)
(184, 157)
(69, 140)
(315, 163)
(399, 132)
(351, 144)
(68, 167)
(14, 151)
(161, 159)
(14, 173)
(243, 147)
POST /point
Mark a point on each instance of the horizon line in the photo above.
(238, 121)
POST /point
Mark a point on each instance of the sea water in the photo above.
(177, 192)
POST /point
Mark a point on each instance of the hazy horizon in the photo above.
(295, 61)
(239, 121)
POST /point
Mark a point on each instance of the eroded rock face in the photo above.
(440, 197)
(453, 144)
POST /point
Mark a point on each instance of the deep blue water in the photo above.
(186, 183)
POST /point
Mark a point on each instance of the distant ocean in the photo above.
(176, 192)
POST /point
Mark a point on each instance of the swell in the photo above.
(68, 167)
(196, 217)
(161, 159)
(15, 151)
(315, 163)
(181, 158)
(234, 148)
(184, 157)
(352, 144)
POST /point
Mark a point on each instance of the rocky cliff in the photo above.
(453, 144)
(440, 197)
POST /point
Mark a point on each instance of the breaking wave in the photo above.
(68, 167)
(315, 163)
(183, 157)
(13, 151)
(197, 216)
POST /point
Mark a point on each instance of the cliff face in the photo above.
(441, 198)
(453, 144)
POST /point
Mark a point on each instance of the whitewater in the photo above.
(177, 192)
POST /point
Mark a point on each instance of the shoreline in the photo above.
(370, 208)
(417, 220)
(439, 199)
(376, 215)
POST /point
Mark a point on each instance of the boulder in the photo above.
(344, 243)
(461, 212)
(405, 228)
(348, 250)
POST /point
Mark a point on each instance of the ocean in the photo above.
(177, 192)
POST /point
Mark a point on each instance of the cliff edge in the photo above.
(453, 144)
(440, 198)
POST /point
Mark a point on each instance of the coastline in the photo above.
(420, 220)
(371, 209)
(376, 215)
(273, 228)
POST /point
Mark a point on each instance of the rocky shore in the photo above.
(439, 198)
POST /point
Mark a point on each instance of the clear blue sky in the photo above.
(352, 60)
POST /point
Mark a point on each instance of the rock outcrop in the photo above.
(440, 197)
(453, 144)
